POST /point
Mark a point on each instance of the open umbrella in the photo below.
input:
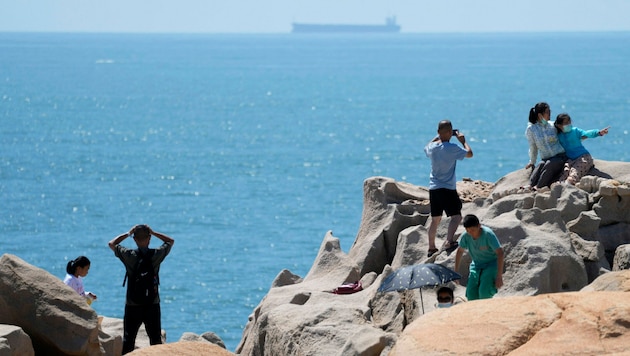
(418, 276)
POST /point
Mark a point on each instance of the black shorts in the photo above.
(445, 200)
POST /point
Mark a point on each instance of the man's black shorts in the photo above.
(445, 200)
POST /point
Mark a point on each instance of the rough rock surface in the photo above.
(578, 323)
(14, 341)
(182, 348)
(205, 337)
(556, 240)
(612, 281)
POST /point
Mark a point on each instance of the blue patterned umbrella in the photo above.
(418, 276)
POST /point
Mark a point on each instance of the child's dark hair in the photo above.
(446, 290)
(539, 108)
(471, 220)
(80, 261)
(560, 120)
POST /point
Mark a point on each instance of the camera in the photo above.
(455, 132)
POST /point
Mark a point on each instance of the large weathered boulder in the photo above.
(295, 319)
(388, 208)
(14, 341)
(577, 323)
(56, 318)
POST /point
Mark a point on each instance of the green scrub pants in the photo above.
(481, 283)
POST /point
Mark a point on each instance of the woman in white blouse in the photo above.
(76, 270)
(543, 139)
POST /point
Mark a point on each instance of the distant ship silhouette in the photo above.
(390, 26)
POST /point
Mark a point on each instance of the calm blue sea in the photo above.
(246, 149)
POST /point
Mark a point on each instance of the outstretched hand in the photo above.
(604, 131)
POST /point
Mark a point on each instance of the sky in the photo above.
(276, 16)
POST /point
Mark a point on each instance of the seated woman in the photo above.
(570, 137)
(543, 139)
(76, 270)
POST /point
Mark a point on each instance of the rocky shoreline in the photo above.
(565, 283)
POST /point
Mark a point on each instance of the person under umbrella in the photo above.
(418, 276)
(445, 297)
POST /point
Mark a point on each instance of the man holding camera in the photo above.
(442, 182)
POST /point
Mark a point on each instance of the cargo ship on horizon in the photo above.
(390, 26)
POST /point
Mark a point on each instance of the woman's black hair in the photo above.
(80, 261)
(539, 108)
(560, 119)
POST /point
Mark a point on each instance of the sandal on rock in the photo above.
(452, 246)
(432, 252)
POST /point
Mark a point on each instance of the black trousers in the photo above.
(548, 171)
(135, 315)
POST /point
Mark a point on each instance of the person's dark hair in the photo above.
(141, 232)
(539, 108)
(80, 261)
(471, 220)
(445, 124)
(560, 120)
(446, 290)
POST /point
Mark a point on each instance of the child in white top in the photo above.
(77, 269)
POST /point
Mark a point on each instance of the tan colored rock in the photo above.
(330, 254)
(15, 342)
(285, 278)
(586, 225)
(299, 320)
(611, 281)
(388, 208)
(623, 190)
(469, 190)
(613, 209)
(205, 337)
(608, 188)
(182, 348)
(578, 323)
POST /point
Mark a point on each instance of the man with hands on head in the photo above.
(138, 312)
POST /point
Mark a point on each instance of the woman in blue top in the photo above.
(580, 161)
